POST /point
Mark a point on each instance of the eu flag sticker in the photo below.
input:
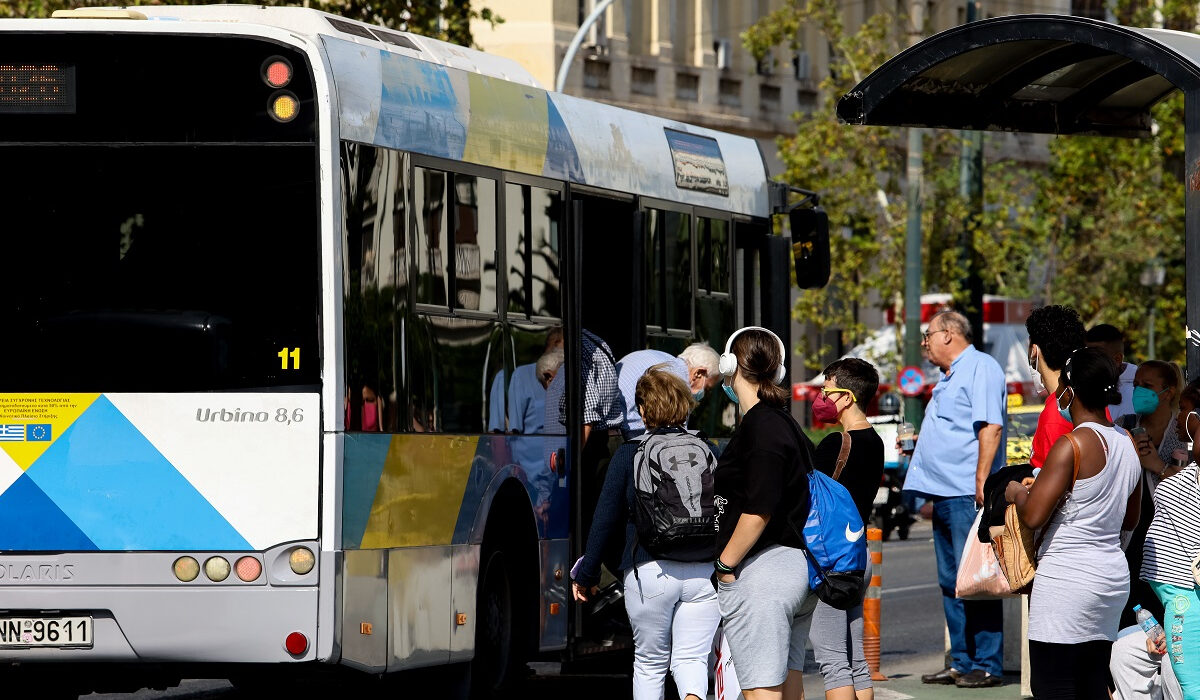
(12, 432)
(37, 432)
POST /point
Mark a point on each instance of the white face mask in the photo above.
(1038, 386)
(1187, 421)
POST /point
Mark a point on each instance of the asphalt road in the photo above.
(912, 642)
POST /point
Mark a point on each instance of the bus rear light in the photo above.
(248, 569)
(302, 561)
(216, 569)
(296, 643)
(277, 72)
(284, 106)
(186, 569)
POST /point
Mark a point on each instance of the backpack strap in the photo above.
(843, 455)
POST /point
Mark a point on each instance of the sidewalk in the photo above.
(905, 686)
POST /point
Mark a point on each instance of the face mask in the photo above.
(730, 393)
(1038, 387)
(698, 395)
(1145, 401)
(824, 410)
(1065, 412)
(1188, 421)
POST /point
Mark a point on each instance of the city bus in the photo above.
(273, 281)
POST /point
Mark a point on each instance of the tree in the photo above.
(858, 172)
(448, 20)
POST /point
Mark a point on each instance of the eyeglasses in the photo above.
(827, 392)
(926, 334)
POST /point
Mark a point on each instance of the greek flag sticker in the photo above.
(12, 433)
(37, 432)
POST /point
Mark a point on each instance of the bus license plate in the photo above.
(45, 632)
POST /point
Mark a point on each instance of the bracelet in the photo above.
(722, 567)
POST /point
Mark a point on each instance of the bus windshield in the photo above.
(159, 267)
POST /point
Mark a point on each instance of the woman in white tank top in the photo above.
(1082, 579)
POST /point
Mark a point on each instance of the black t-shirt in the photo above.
(763, 471)
(864, 467)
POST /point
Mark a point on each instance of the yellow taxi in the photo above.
(1022, 422)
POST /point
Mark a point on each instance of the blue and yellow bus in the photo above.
(272, 279)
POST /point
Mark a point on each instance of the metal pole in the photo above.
(1150, 331)
(914, 412)
(565, 66)
(970, 187)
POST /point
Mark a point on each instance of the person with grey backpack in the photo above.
(659, 486)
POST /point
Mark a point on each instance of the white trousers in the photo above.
(672, 607)
(1136, 674)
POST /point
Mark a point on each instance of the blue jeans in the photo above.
(976, 626)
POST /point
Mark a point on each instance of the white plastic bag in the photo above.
(727, 683)
(979, 574)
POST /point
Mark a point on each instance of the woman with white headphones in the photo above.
(761, 478)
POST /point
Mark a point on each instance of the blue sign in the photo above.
(911, 380)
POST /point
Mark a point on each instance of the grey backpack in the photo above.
(674, 510)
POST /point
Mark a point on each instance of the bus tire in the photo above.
(495, 668)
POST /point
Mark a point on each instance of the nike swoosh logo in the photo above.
(852, 536)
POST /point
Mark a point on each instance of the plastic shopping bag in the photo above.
(727, 683)
(979, 574)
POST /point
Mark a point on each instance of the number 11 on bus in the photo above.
(287, 354)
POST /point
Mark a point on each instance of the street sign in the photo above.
(911, 380)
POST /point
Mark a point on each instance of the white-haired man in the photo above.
(696, 366)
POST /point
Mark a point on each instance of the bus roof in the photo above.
(413, 93)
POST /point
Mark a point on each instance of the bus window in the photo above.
(533, 216)
(712, 255)
(474, 243)
(374, 285)
(430, 236)
(669, 270)
(451, 382)
(177, 268)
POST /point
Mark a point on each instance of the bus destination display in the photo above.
(37, 88)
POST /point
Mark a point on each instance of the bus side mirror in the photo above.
(810, 247)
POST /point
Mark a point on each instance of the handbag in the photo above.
(1015, 544)
(979, 574)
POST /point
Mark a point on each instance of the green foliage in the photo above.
(1077, 231)
(448, 20)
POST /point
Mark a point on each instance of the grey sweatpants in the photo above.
(836, 637)
(766, 613)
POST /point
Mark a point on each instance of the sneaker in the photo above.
(946, 676)
(978, 679)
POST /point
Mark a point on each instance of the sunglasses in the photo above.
(827, 392)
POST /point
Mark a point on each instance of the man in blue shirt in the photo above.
(960, 444)
(696, 366)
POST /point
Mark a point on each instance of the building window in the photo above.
(806, 101)
(768, 98)
(595, 75)
(642, 81)
(730, 92)
(687, 87)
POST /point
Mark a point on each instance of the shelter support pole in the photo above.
(970, 188)
(914, 176)
(1191, 119)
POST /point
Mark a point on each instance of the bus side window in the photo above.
(374, 280)
(430, 236)
(474, 243)
(533, 217)
(668, 270)
(453, 365)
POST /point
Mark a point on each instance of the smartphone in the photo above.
(1137, 432)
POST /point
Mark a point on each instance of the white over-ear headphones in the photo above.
(728, 363)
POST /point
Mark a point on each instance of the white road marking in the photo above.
(905, 589)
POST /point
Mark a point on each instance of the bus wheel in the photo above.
(493, 671)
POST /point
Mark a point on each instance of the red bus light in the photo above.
(277, 72)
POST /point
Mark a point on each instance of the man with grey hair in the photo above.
(696, 366)
(961, 443)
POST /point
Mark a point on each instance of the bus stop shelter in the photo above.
(1052, 74)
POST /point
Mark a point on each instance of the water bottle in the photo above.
(1150, 626)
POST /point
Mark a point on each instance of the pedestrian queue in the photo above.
(1088, 491)
(1171, 559)
(761, 483)
(853, 457)
(658, 494)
